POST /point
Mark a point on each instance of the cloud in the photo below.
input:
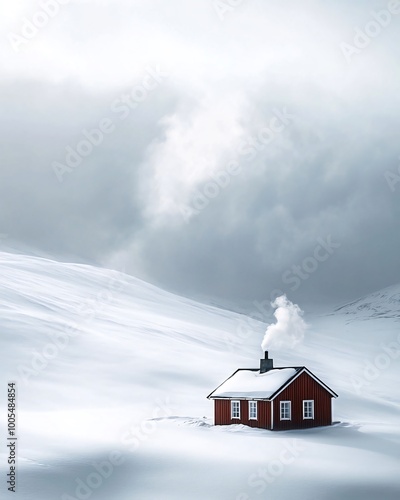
(322, 175)
(194, 147)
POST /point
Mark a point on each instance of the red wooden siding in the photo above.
(304, 388)
(222, 414)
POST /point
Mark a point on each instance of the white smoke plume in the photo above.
(289, 329)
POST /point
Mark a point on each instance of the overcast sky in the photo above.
(292, 107)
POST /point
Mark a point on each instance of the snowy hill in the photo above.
(113, 374)
(382, 304)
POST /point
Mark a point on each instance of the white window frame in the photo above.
(281, 408)
(235, 404)
(254, 405)
(305, 401)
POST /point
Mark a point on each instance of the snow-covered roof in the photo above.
(253, 384)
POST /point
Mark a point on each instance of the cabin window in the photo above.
(235, 409)
(308, 409)
(286, 410)
(252, 410)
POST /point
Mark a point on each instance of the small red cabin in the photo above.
(273, 398)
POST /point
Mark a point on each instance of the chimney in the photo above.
(266, 364)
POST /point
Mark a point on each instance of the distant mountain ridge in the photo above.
(384, 303)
